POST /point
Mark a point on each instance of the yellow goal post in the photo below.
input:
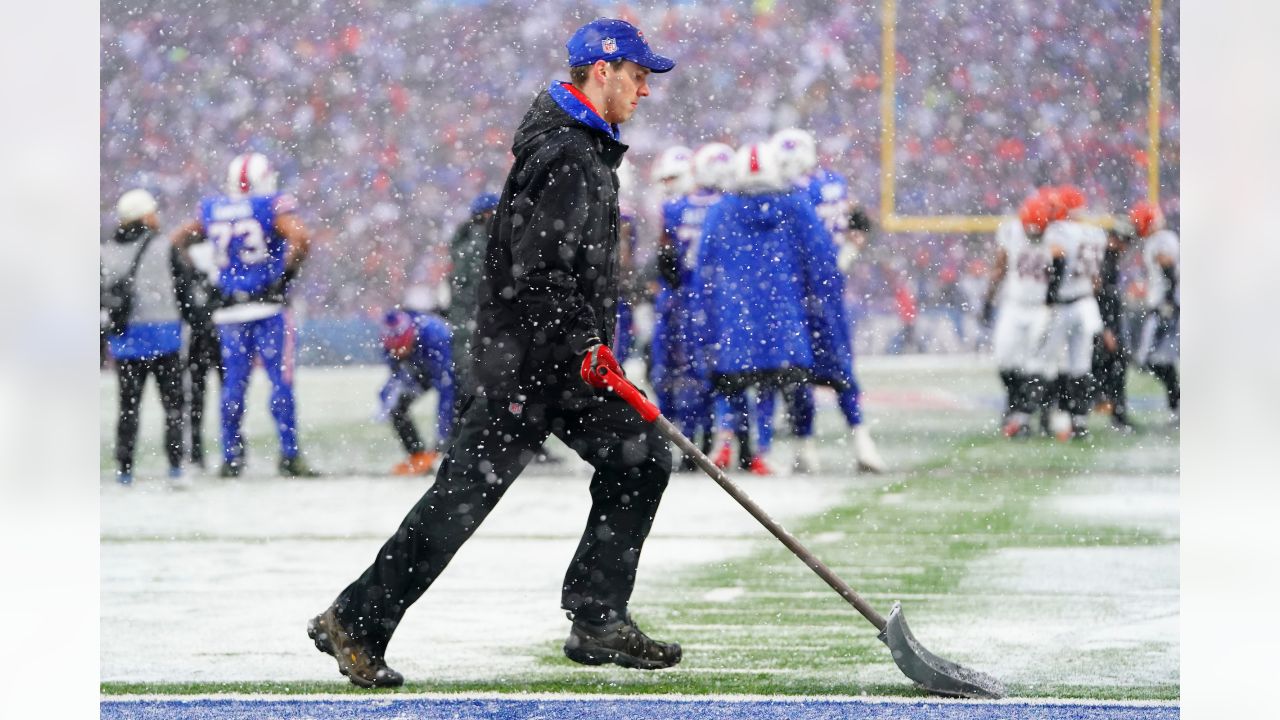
(891, 221)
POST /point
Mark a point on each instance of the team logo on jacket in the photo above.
(609, 45)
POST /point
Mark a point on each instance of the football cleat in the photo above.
(296, 467)
(1016, 426)
(865, 452)
(417, 464)
(806, 460)
(723, 456)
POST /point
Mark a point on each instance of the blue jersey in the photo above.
(829, 192)
(428, 365)
(248, 250)
(682, 221)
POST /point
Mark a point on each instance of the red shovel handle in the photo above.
(628, 392)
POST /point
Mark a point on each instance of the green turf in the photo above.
(959, 492)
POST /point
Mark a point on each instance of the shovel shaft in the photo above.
(689, 449)
(649, 411)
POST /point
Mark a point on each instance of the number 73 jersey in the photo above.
(248, 251)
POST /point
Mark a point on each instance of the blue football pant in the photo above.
(271, 341)
(851, 404)
(798, 400)
(801, 410)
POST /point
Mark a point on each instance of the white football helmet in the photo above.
(673, 171)
(135, 205)
(797, 152)
(713, 166)
(756, 166)
(250, 174)
(626, 173)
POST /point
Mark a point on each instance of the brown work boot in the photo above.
(361, 667)
(619, 642)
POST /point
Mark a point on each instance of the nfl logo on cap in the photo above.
(609, 46)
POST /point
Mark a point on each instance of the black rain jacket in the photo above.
(550, 286)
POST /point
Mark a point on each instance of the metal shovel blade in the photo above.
(930, 671)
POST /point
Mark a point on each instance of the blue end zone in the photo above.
(390, 707)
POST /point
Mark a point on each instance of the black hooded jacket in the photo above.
(550, 287)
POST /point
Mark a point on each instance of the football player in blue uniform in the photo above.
(676, 364)
(417, 347)
(260, 244)
(768, 315)
(829, 192)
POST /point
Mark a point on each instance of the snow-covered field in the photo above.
(214, 584)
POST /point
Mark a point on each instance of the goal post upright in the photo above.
(888, 73)
(1153, 103)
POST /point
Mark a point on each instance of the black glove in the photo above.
(859, 220)
(1057, 270)
(669, 265)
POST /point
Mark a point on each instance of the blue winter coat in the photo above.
(771, 305)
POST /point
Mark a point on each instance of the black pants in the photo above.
(1110, 369)
(405, 428)
(495, 441)
(204, 354)
(133, 377)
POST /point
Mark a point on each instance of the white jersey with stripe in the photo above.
(1026, 279)
(1161, 242)
(1084, 246)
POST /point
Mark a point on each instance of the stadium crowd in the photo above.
(386, 118)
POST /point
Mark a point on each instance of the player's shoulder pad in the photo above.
(284, 203)
(432, 324)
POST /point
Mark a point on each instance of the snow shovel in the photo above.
(930, 672)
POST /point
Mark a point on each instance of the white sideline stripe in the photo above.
(679, 698)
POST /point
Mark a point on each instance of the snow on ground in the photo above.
(217, 583)
(1108, 614)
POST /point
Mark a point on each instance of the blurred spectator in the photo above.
(466, 251)
(381, 112)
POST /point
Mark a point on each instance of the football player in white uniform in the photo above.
(1076, 249)
(1019, 284)
(1158, 346)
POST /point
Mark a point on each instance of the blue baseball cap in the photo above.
(609, 39)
